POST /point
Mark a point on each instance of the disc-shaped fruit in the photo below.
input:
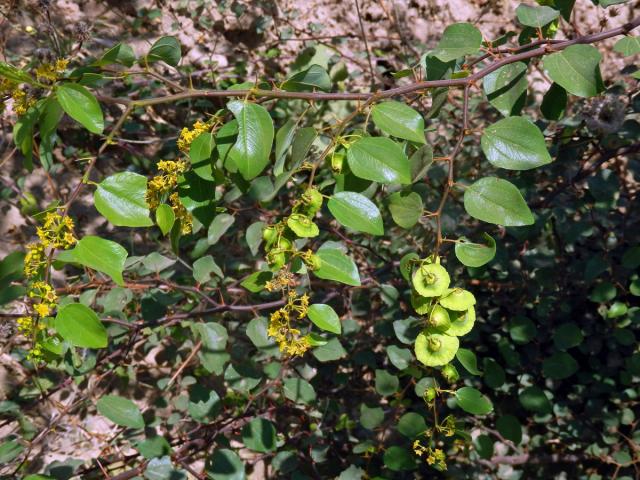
(435, 349)
(431, 280)
(438, 319)
(420, 304)
(302, 226)
(313, 201)
(461, 322)
(458, 299)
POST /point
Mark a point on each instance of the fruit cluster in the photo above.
(448, 314)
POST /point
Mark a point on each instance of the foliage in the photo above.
(334, 284)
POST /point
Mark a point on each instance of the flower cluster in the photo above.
(162, 185)
(433, 456)
(57, 231)
(289, 340)
(283, 281)
(188, 136)
(22, 101)
(30, 328)
(51, 71)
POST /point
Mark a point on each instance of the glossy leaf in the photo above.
(515, 143)
(103, 255)
(473, 401)
(313, 77)
(251, 151)
(475, 254)
(259, 435)
(80, 104)
(325, 318)
(506, 88)
(357, 212)
(165, 218)
(338, 267)
(120, 198)
(628, 45)
(399, 120)
(380, 160)
(554, 102)
(225, 464)
(458, 40)
(576, 69)
(120, 411)
(497, 201)
(221, 223)
(468, 360)
(120, 53)
(80, 326)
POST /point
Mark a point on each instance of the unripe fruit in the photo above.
(337, 161)
(269, 234)
(439, 319)
(450, 373)
(313, 262)
(313, 201)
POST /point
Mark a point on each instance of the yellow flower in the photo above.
(42, 309)
(51, 71)
(188, 136)
(181, 213)
(34, 260)
(57, 231)
(21, 101)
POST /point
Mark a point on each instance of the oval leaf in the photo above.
(325, 318)
(399, 120)
(166, 49)
(498, 201)
(80, 104)
(120, 198)
(251, 151)
(80, 326)
(475, 254)
(472, 401)
(506, 88)
(380, 160)
(357, 212)
(165, 218)
(536, 16)
(102, 255)
(576, 69)
(468, 360)
(406, 208)
(120, 411)
(458, 40)
(515, 143)
(338, 267)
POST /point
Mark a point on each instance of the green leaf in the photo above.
(412, 425)
(357, 212)
(506, 88)
(299, 390)
(330, 352)
(399, 459)
(225, 464)
(515, 143)
(251, 151)
(399, 120)
(200, 155)
(468, 360)
(537, 16)
(386, 384)
(419, 162)
(221, 223)
(153, 447)
(554, 102)
(120, 53)
(165, 218)
(99, 254)
(406, 208)
(120, 411)
(567, 335)
(313, 77)
(559, 366)
(510, 428)
(14, 74)
(522, 330)
(627, 46)
(80, 104)
(259, 435)
(166, 49)
(400, 357)
(253, 236)
(204, 404)
(498, 201)
(379, 159)
(10, 450)
(325, 318)
(475, 254)
(120, 198)
(494, 376)
(204, 267)
(163, 469)
(370, 417)
(80, 326)
(338, 267)
(576, 69)
(534, 400)
(473, 401)
(458, 40)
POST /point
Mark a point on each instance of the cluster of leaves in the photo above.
(555, 325)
